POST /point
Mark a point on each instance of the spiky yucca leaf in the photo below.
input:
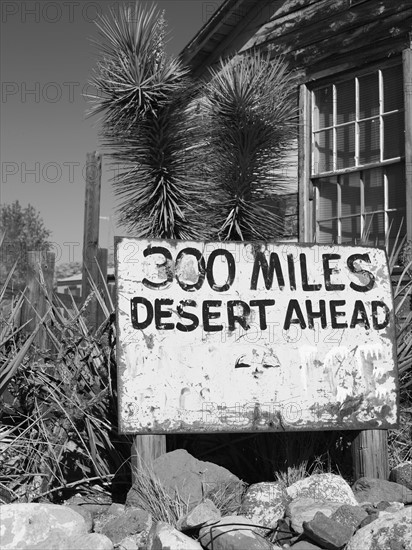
(143, 96)
(250, 112)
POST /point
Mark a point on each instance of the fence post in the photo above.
(91, 232)
(40, 264)
(370, 454)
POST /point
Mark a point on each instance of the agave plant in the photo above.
(250, 114)
(144, 97)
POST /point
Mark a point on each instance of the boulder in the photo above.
(349, 515)
(233, 533)
(304, 509)
(305, 545)
(402, 474)
(90, 541)
(37, 525)
(323, 487)
(163, 536)
(391, 532)
(373, 490)
(132, 522)
(87, 515)
(327, 532)
(181, 473)
(203, 513)
(264, 503)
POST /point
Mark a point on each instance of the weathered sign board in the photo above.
(227, 337)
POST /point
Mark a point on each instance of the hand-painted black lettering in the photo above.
(360, 316)
(262, 304)
(242, 319)
(291, 269)
(333, 304)
(187, 315)
(134, 307)
(304, 274)
(328, 271)
(201, 269)
(164, 269)
(321, 314)
(360, 271)
(161, 314)
(376, 324)
(261, 263)
(207, 315)
(231, 268)
(294, 308)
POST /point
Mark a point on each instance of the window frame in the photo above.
(307, 213)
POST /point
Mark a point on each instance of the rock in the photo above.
(227, 534)
(163, 536)
(284, 533)
(204, 512)
(391, 532)
(116, 509)
(264, 503)
(132, 522)
(31, 525)
(349, 515)
(305, 544)
(402, 474)
(323, 487)
(87, 515)
(179, 472)
(96, 503)
(368, 489)
(327, 532)
(91, 541)
(128, 543)
(304, 509)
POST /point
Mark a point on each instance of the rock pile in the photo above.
(319, 512)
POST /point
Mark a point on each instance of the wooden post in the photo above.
(91, 231)
(40, 265)
(102, 258)
(407, 85)
(145, 449)
(370, 454)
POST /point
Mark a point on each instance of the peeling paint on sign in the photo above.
(226, 337)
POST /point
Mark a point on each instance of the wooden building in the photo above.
(353, 59)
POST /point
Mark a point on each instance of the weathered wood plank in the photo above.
(91, 229)
(305, 207)
(375, 33)
(145, 449)
(370, 454)
(339, 34)
(407, 72)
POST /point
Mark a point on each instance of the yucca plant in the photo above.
(250, 122)
(144, 97)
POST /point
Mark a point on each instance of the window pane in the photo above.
(392, 88)
(368, 95)
(396, 185)
(393, 135)
(345, 146)
(345, 102)
(397, 222)
(323, 111)
(375, 228)
(350, 228)
(327, 232)
(369, 141)
(350, 194)
(373, 184)
(328, 198)
(323, 152)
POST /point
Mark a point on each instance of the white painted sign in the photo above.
(226, 337)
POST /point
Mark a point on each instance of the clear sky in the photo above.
(46, 61)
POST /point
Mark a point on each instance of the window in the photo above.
(358, 167)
